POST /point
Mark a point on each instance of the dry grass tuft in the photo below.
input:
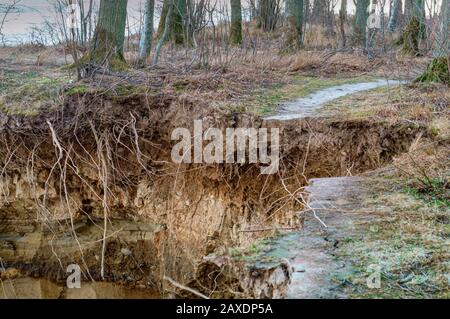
(317, 37)
(332, 63)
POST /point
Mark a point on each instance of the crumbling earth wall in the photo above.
(92, 183)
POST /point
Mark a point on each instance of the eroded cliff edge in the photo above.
(92, 183)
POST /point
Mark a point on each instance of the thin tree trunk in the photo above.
(342, 22)
(267, 14)
(330, 18)
(319, 14)
(294, 16)
(360, 24)
(395, 15)
(89, 17)
(439, 69)
(253, 14)
(371, 29)
(162, 19)
(306, 17)
(166, 33)
(443, 44)
(178, 20)
(418, 12)
(408, 9)
(383, 25)
(236, 22)
(145, 45)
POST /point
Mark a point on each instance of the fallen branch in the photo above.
(180, 286)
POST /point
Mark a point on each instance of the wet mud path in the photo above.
(310, 105)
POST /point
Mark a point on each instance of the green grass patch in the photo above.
(409, 247)
(435, 193)
(77, 89)
(24, 93)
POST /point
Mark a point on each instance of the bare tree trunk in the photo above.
(178, 32)
(319, 13)
(294, 15)
(109, 35)
(439, 69)
(342, 22)
(145, 45)
(162, 19)
(179, 22)
(443, 44)
(236, 22)
(306, 16)
(166, 33)
(371, 29)
(383, 25)
(253, 10)
(74, 50)
(359, 26)
(408, 9)
(90, 20)
(86, 22)
(5, 10)
(268, 11)
(396, 13)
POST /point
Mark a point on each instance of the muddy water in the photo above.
(308, 106)
(38, 288)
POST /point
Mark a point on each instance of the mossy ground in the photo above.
(29, 92)
(437, 71)
(24, 93)
(114, 63)
(410, 246)
(436, 195)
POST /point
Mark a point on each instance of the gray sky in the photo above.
(35, 12)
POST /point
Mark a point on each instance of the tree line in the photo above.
(181, 20)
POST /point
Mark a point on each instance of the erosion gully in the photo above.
(174, 226)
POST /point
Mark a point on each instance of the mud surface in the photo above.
(336, 207)
(34, 288)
